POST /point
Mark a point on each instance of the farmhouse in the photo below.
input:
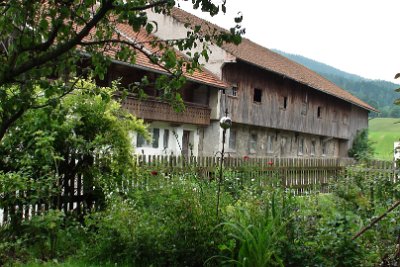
(278, 107)
(172, 133)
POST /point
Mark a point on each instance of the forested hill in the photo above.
(380, 94)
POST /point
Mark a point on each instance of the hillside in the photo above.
(383, 132)
(380, 94)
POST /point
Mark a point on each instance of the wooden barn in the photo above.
(278, 107)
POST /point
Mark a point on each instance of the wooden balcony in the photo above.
(155, 110)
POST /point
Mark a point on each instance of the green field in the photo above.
(383, 132)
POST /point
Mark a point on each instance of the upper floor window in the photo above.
(345, 119)
(233, 91)
(335, 116)
(257, 95)
(304, 108)
(284, 102)
(319, 112)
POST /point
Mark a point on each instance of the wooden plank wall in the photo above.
(335, 114)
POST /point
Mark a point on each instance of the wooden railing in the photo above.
(151, 109)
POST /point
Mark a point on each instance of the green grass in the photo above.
(383, 132)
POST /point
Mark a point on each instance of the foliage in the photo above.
(86, 135)
(362, 148)
(158, 217)
(256, 229)
(46, 236)
(42, 43)
(172, 224)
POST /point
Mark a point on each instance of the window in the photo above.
(253, 143)
(301, 146)
(233, 91)
(323, 148)
(335, 116)
(166, 138)
(304, 105)
(283, 145)
(304, 108)
(232, 139)
(313, 143)
(284, 102)
(141, 142)
(257, 95)
(156, 136)
(346, 119)
(270, 144)
(319, 112)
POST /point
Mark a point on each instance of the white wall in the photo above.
(174, 142)
(168, 28)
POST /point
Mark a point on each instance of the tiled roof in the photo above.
(262, 57)
(126, 32)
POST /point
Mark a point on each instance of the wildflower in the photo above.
(270, 163)
(154, 172)
(246, 157)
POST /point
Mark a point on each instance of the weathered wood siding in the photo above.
(337, 119)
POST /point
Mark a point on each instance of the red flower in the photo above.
(270, 163)
(154, 172)
(246, 157)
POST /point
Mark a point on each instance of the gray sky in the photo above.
(356, 36)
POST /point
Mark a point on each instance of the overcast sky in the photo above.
(356, 36)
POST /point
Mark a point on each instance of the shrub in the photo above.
(169, 225)
(362, 148)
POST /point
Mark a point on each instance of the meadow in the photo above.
(383, 132)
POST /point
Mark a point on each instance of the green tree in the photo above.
(362, 148)
(42, 42)
(86, 135)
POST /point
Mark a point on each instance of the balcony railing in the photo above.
(151, 109)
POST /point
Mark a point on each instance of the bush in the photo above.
(169, 225)
(51, 235)
(362, 148)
